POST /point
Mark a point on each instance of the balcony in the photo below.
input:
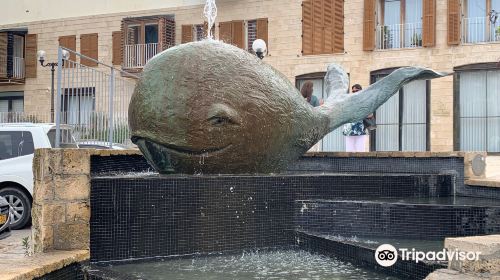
(479, 30)
(137, 55)
(398, 36)
(11, 70)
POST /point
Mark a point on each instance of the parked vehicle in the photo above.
(17, 144)
(4, 218)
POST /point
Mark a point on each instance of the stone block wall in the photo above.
(61, 197)
(61, 206)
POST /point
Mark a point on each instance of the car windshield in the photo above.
(67, 139)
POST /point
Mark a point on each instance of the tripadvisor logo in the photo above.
(386, 255)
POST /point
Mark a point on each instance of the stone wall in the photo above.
(285, 45)
(61, 198)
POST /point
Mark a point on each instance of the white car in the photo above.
(17, 144)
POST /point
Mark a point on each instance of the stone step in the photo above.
(411, 218)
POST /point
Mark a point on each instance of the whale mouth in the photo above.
(191, 151)
(171, 148)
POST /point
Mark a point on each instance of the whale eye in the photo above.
(220, 120)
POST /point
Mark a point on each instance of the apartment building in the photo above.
(369, 38)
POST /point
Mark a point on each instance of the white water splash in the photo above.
(210, 12)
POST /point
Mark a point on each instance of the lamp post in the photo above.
(259, 47)
(52, 65)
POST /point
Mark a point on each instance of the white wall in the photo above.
(18, 11)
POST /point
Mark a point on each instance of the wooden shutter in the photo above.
(429, 23)
(69, 42)
(169, 35)
(3, 54)
(318, 34)
(187, 33)
(328, 26)
(225, 32)
(89, 47)
(166, 33)
(338, 26)
(117, 48)
(453, 22)
(262, 31)
(307, 28)
(369, 25)
(31, 62)
(238, 32)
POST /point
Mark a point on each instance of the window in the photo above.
(402, 121)
(477, 93)
(12, 102)
(399, 24)
(143, 38)
(480, 22)
(15, 144)
(78, 105)
(17, 56)
(242, 33)
(334, 141)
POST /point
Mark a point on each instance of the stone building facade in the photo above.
(369, 38)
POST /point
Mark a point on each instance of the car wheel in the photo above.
(20, 205)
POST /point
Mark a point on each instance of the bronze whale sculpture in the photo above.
(209, 107)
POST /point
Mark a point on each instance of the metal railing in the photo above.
(397, 36)
(93, 101)
(480, 29)
(24, 117)
(137, 55)
(17, 70)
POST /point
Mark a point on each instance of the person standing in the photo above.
(355, 133)
(307, 93)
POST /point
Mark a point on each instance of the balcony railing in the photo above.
(397, 36)
(14, 72)
(480, 29)
(136, 56)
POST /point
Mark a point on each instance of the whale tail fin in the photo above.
(341, 108)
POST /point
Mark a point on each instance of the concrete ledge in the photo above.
(388, 154)
(41, 264)
(489, 258)
(448, 274)
(487, 182)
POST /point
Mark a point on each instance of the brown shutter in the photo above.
(226, 32)
(89, 47)
(328, 26)
(318, 20)
(69, 42)
(307, 28)
(3, 54)
(429, 23)
(453, 22)
(30, 59)
(262, 31)
(369, 25)
(166, 33)
(169, 40)
(117, 47)
(238, 32)
(338, 26)
(187, 33)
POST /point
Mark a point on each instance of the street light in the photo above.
(259, 47)
(41, 58)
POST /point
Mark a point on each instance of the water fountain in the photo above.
(239, 201)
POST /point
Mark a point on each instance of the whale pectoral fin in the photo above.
(357, 106)
(337, 82)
